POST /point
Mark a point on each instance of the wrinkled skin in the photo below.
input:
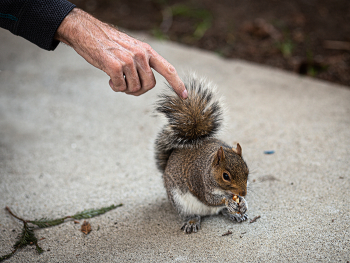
(127, 61)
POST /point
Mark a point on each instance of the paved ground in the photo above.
(68, 143)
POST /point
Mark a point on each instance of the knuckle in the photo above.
(171, 69)
(114, 88)
(122, 88)
(118, 85)
(119, 88)
(135, 88)
(149, 85)
(147, 47)
(114, 68)
(128, 62)
(139, 54)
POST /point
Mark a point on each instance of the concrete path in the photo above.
(69, 143)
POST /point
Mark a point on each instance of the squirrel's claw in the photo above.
(241, 218)
(234, 216)
(192, 225)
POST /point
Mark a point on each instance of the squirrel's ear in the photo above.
(220, 155)
(238, 150)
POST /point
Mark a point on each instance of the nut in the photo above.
(236, 199)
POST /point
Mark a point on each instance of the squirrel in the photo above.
(202, 174)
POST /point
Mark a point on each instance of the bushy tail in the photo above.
(190, 121)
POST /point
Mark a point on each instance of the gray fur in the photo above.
(193, 161)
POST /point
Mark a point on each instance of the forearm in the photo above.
(76, 27)
(85, 34)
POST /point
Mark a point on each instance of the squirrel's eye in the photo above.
(226, 177)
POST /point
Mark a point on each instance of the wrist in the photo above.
(69, 28)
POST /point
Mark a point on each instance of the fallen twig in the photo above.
(254, 219)
(27, 236)
(227, 233)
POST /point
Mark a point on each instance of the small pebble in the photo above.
(269, 152)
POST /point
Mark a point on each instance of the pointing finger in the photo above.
(165, 69)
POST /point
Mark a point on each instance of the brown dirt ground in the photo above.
(308, 37)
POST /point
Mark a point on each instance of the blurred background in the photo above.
(309, 37)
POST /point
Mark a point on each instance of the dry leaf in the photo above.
(85, 227)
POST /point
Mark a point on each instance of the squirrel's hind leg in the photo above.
(192, 224)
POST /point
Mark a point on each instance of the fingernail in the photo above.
(184, 94)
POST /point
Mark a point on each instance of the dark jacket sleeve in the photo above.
(35, 20)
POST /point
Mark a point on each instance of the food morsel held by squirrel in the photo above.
(202, 174)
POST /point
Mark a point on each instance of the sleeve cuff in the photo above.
(40, 19)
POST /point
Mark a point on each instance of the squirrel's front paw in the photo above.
(240, 206)
(243, 206)
(235, 216)
(236, 209)
(192, 224)
(240, 218)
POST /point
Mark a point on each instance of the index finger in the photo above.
(168, 71)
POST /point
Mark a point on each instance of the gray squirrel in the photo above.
(202, 174)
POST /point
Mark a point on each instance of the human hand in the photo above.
(127, 61)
